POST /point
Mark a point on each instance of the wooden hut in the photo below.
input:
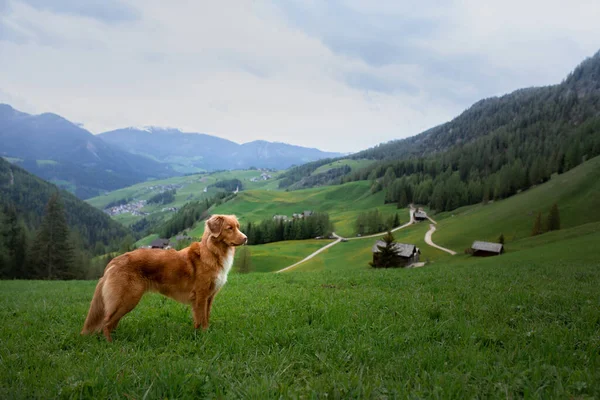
(159, 243)
(487, 249)
(420, 215)
(406, 254)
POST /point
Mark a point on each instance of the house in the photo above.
(420, 215)
(406, 253)
(280, 217)
(487, 249)
(307, 213)
(159, 243)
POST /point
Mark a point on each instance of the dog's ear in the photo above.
(215, 225)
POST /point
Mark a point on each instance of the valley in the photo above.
(304, 310)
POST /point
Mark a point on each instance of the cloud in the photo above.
(109, 11)
(338, 76)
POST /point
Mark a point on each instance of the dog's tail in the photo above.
(93, 322)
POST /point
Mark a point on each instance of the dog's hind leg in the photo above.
(119, 301)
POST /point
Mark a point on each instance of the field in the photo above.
(275, 256)
(353, 164)
(192, 190)
(526, 324)
(342, 202)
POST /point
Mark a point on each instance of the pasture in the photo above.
(526, 324)
(342, 202)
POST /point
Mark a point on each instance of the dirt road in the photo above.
(339, 239)
(430, 242)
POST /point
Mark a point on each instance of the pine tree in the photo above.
(501, 238)
(52, 249)
(554, 218)
(396, 220)
(537, 225)
(387, 256)
(245, 260)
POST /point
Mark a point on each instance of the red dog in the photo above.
(193, 276)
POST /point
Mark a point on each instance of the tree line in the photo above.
(166, 197)
(374, 222)
(275, 230)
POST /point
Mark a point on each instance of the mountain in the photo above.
(498, 146)
(28, 196)
(190, 152)
(58, 150)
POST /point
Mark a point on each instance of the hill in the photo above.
(187, 188)
(343, 203)
(492, 150)
(58, 150)
(194, 152)
(577, 194)
(28, 195)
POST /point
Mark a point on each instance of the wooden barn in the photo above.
(159, 243)
(406, 253)
(487, 249)
(420, 215)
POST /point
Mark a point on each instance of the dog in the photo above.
(191, 276)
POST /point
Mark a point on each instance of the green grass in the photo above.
(342, 202)
(275, 256)
(576, 192)
(353, 164)
(145, 241)
(356, 254)
(525, 324)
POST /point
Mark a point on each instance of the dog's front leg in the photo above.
(199, 308)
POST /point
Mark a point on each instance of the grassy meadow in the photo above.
(526, 324)
(272, 257)
(342, 202)
(353, 164)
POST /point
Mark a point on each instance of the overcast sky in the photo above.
(337, 75)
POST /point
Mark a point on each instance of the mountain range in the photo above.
(189, 152)
(64, 153)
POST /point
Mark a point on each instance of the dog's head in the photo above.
(226, 228)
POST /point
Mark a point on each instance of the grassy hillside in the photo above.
(342, 202)
(353, 164)
(355, 254)
(189, 188)
(577, 193)
(521, 325)
(275, 256)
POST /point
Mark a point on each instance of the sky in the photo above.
(337, 75)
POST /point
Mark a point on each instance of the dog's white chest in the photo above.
(227, 264)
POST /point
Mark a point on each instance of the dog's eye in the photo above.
(229, 227)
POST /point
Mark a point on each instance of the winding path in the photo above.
(430, 242)
(339, 239)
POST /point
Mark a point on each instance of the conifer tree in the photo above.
(52, 250)
(387, 253)
(554, 218)
(537, 225)
(501, 238)
(245, 260)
